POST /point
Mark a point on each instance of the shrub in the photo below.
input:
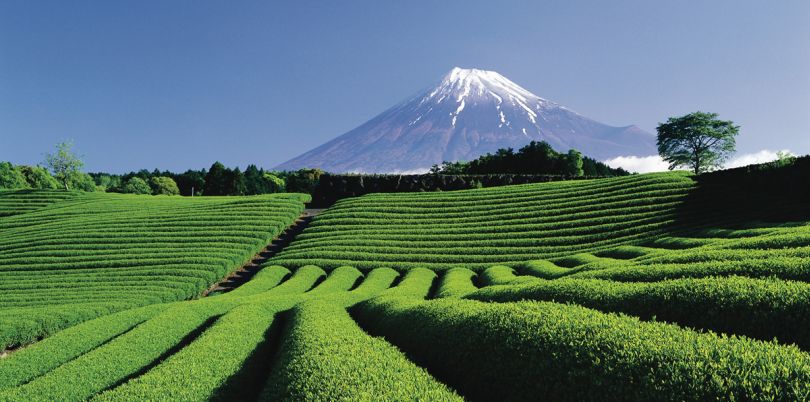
(359, 367)
(136, 185)
(39, 178)
(548, 351)
(163, 186)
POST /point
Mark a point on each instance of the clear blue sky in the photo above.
(179, 84)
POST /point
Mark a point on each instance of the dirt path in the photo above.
(247, 271)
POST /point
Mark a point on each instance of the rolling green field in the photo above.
(68, 257)
(643, 287)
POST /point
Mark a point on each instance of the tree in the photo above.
(215, 180)
(697, 140)
(10, 177)
(136, 185)
(255, 182)
(107, 182)
(81, 181)
(234, 182)
(573, 163)
(38, 177)
(274, 183)
(191, 180)
(64, 163)
(303, 180)
(163, 185)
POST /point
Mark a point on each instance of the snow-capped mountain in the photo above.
(469, 113)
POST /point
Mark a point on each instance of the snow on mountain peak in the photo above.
(467, 113)
(470, 85)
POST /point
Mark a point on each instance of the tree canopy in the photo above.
(537, 157)
(699, 141)
(65, 164)
(136, 185)
(11, 178)
(163, 185)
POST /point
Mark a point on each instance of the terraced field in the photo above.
(67, 257)
(635, 288)
(504, 225)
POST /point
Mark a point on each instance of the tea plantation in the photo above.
(644, 287)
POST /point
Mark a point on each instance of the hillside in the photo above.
(67, 257)
(641, 287)
(512, 224)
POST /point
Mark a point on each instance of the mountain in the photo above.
(469, 113)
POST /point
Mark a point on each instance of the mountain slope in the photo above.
(469, 113)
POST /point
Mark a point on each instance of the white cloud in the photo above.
(639, 164)
(654, 163)
(762, 156)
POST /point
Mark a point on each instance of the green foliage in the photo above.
(11, 178)
(480, 228)
(456, 282)
(573, 163)
(38, 177)
(224, 181)
(697, 140)
(359, 367)
(302, 181)
(111, 251)
(273, 183)
(191, 182)
(163, 186)
(42, 357)
(758, 308)
(215, 180)
(105, 279)
(534, 158)
(136, 185)
(531, 350)
(81, 181)
(66, 165)
(107, 181)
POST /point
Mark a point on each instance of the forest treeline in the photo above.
(535, 162)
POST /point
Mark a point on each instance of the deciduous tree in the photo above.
(699, 141)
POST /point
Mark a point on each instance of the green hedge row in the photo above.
(358, 366)
(758, 308)
(548, 351)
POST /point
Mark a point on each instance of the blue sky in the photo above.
(179, 84)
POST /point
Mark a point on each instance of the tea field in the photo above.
(643, 287)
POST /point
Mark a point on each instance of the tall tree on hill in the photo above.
(64, 164)
(191, 181)
(697, 140)
(215, 180)
(573, 163)
(255, 182)
(234, 182)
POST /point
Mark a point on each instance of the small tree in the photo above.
(274, 184)
(697, 140)
(136, 185)
(64, 163)
(163, 185)
(573, 163)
